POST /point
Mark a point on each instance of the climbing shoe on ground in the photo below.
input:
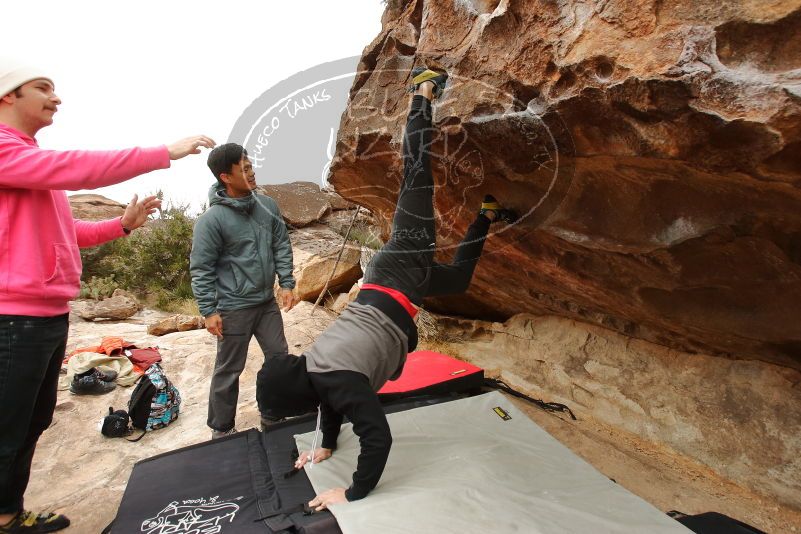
(100, 374)
(30, 523)
(90, 384)
(105, 376)
(424, 74)
(501, 213)
(217, 434)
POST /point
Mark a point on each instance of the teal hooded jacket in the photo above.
(238, 247)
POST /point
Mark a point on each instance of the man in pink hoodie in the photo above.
(40, 266)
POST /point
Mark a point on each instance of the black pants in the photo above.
(31, 352)
(406, 261)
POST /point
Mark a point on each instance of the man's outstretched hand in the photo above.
(137, 212)
(327, 498)
(190, 145)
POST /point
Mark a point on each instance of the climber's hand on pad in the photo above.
(319, 455)
(327, 498)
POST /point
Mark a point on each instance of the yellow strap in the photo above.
(425, 76)
(29, 520)
(490, 206)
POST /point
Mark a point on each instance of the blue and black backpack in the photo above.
(155, 403)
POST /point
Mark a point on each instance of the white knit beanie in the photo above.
(13, 74)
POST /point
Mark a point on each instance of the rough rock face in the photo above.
(337, 202)
(175, 323)
(338, 303)
(95, 207)
(301, 203)
(120, 305)
(315, 250)
(653, 148)
(741, 418)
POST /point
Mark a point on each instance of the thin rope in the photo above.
(314, 441)
(339, 257)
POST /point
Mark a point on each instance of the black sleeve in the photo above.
(330, 424)
(349, 393)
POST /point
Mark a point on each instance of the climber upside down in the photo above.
(368, 343)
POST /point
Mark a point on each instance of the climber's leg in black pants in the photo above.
(454, 278)
(404, 262)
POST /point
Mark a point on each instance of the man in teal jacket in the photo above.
(239, 245)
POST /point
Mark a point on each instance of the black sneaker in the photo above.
(90, 385)
(217, 434)
(30, 523)
(424, 74)
(105, 376)
(501, 213)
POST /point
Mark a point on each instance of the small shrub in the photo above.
(185, 306)
(98, 287)
(366, 235)
(152, 260)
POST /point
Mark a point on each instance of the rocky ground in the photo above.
(78, 471)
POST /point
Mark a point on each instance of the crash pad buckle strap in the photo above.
(280, 524)
(292, 472)
(294, 509)
(281, 520)
(547, 406)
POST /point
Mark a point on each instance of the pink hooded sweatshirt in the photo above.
(40, 265)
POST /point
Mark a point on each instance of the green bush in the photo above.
(153, 260)
(168, 301)
(365, 235)
(98, 287)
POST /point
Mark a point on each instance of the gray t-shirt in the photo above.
(362, 339)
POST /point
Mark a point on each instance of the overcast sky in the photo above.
(151, 72)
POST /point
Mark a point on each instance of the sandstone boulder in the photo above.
(301, 203)
(120, 305)
(652, 148)
(354, 292)
(338, 221)
(337, 202)
(315, 253)
(95, 207)
(337, 303)
(175, 323)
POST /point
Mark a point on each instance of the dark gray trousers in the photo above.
(239, 326)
